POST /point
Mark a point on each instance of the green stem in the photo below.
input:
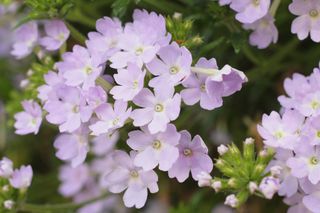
(48, 208)
(79, 17)
(76, 34)
(103, 83)
(274, 7)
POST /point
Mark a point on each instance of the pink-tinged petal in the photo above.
(173, 107)
(139, 140)
(142, 117)
(301, 27)
(158, 123)
(147, 159)
(179, 170)
(135, 197)
(168, 156)
(190, 96)
(145, 98)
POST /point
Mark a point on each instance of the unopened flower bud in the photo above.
(8, 204)
(269, 186)
(252, 187)
(5, 188)
(222, 149)
(177, 15)
(249, 141)
(232, 182)
(216, 185)
(204, 179)
(231, 200)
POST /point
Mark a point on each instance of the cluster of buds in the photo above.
(243, 173)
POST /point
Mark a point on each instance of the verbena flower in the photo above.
(21, 178)
(193, 157)
(249, 11)
(110, 117)
(308, 21)
(134, 180)
(157, 109)
(264, 32)
(26, 37)
(130, 80)
(78, 68)
(158, 149)
(56, 34)
(29, 120)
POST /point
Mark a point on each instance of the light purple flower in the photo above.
(29, 120)
(68, 109)
(26, 37)
(73, 147)
(308, 21)
(110, 118)
(57, 34)
(196, 89)
(264, 32)
(296, 204)
(152, 26)
(282, 132)
(249, 11)
(306, 163)
(105, 42)
(105, 143)
(225, 82)
(133, 179)
(157, 110)
(21, 178)
(6, 167)
(73, 179)
(136, 48)
(171, 68)
(158, 149)
(78, 68)
(130, 80)
(193, 156)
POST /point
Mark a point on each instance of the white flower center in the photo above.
(174, 70)
(76, 109)
(139, 51)
(134, 174)
(115, 121)
(156, 144)
(135, 84)
(315, 105)
(279, 134)
(256, 2)
(88, 70)
(313, 13)
(187, 152)
(158, 108)
(314, 160)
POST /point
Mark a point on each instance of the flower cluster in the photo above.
(259, 16)
(243, 174)
(28, 37)
(295, 135)
(147, 78)
(12, 180)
